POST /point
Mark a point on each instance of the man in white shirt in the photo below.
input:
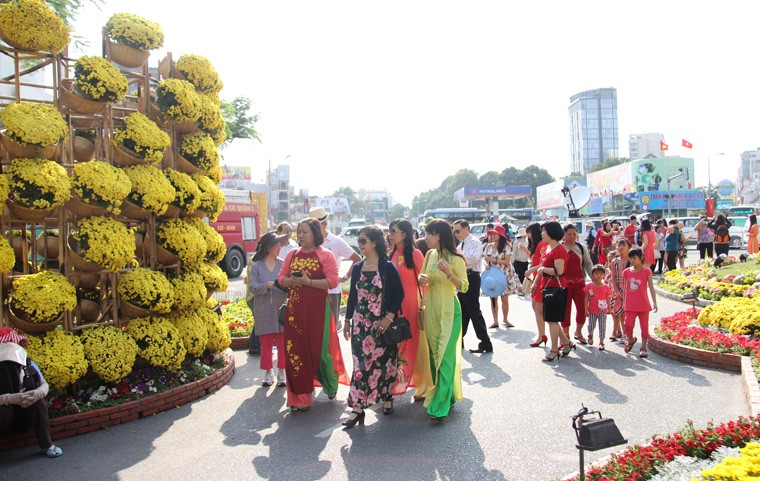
(341, 250)
(286, 229)
(472, 250)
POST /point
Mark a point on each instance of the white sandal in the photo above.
(53, 451)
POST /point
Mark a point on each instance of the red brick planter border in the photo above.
(76, 424)
(239, 343)
(695, 356)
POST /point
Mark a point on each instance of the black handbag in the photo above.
(554, 300)
(400, 330)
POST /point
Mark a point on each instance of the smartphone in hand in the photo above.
(296, 274)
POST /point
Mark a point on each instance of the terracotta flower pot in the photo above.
(126, 56)
(79, 263)
(172, 212)
(130, 210)
(84, 150)
(20, 151)
(80, 208)
(131, 311)
(75, 101)
(47, 246)
(22, 322)
(89, 311)
(184, 165)
(26, 213)
(126, 158)
(87, 280)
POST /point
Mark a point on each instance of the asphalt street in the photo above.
(514, 423)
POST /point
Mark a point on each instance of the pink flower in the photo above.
(377, 282)
(358, 375)
(375, 308)
(373, 379)
(390, 369)
(368, 345)
(356, 363)
(362, 293)
(372, 297)
(378, 352)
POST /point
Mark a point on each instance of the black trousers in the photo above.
(15, 419)
(721, 249)
(470, 302)
(705, 248)
(520, 268)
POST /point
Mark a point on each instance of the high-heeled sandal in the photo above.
(332, 395)
(357, 417)
(388, 410)
(297, 409)
(550, 358)
(566, 349)
(538, 343)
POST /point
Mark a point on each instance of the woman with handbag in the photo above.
(266, 299)
(537, 247)
(374, 299)
(498, 253)
(311, 343)
(549, 275)
(443, 273)
(408, 261)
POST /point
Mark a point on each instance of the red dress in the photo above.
(604, 242)
(547, 260)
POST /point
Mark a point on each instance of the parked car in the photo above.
(349, 234)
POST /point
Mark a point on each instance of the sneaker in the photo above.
(281, 378)
(268, 379)
(53, 451)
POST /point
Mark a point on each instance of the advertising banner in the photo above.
(236, 172)
(503, 191)
(550, 195)
(652, 174)
(679, 199)
(615, 180)
(337, 206)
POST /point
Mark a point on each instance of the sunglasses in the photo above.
(361, 241)
(288, 231)
(457, 231)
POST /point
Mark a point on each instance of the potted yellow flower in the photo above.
(33, 25)
(151, 192)
(219, 337)
(181, 240)
(197, 151)
(39, 300)
(199, 72)
(132, 38)
(140, 141)
(98, 188)
(8, 257)
(96, 82)
(110, 351)
(60, 355)
(215, 175)
(215, 246)
(105, 242)
(179, 104)
(193, 331)
(211, 120)
(32, 129)
(188, 195)
(38, 186)
(212, 198)
(189, 291)
(143, 292)
(213, 276)
(5, 188)
(160, 343)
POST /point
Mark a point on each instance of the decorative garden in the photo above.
(108, 171)
(728, 325)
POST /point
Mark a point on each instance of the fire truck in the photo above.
(239, 225)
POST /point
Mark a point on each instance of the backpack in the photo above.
(590, 239)
(10, 377)
(721, 235)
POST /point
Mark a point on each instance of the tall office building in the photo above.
(593, 128)
(642, 146)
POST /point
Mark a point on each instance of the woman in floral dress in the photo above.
(498, 252)
(373, 301)
(414, 360)
(311, 343)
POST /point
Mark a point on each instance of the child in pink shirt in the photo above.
(598, 299)
(635, 299)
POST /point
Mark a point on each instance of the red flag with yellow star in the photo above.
(686, 143)
(663, 145)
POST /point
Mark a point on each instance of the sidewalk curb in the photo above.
(752, 388)
(677, 297)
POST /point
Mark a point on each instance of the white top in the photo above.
(287, 248)
(518, 254)
(340, 249)
(472, 249)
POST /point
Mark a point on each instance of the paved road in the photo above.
(513, 425)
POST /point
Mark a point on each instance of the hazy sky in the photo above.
(399, 95)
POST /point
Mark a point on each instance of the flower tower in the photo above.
(107, 173)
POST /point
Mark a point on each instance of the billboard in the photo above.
(611, 181)
(503, 191)
(236, 172)
(336, 206)
(550, 195)
(679, 199)
(652, 174)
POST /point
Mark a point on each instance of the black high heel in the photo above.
(389, 410)
(550, 358)
(566, 349)
(351, 422)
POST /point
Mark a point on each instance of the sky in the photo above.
(399, 95)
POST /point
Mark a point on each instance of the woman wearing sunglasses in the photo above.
(373, 303)
(408, 261)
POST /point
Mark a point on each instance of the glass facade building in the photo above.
(593, 128)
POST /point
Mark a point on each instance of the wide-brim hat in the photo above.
(279, 239)
(521, 232)
(499, 229)
(493, 282)
(8, 334)
(319, 213)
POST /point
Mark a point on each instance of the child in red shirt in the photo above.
(598, 300)
(635, 299)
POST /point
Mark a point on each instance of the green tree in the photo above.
(443, 196)
(240, 124)
(357, 200)
(68, 10)
(397, 212)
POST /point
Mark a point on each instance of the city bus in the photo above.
(521, 216)
(742, 210)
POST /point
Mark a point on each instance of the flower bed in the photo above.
(708, 283)
(144, 393)
(642, 462)
(681, 329)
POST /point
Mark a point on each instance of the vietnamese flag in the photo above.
(686, 143)
(663, 145)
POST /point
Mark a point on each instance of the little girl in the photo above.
(617, 286)
(597, 302)
(636, 301)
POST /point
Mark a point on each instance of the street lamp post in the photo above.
(674, 176)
